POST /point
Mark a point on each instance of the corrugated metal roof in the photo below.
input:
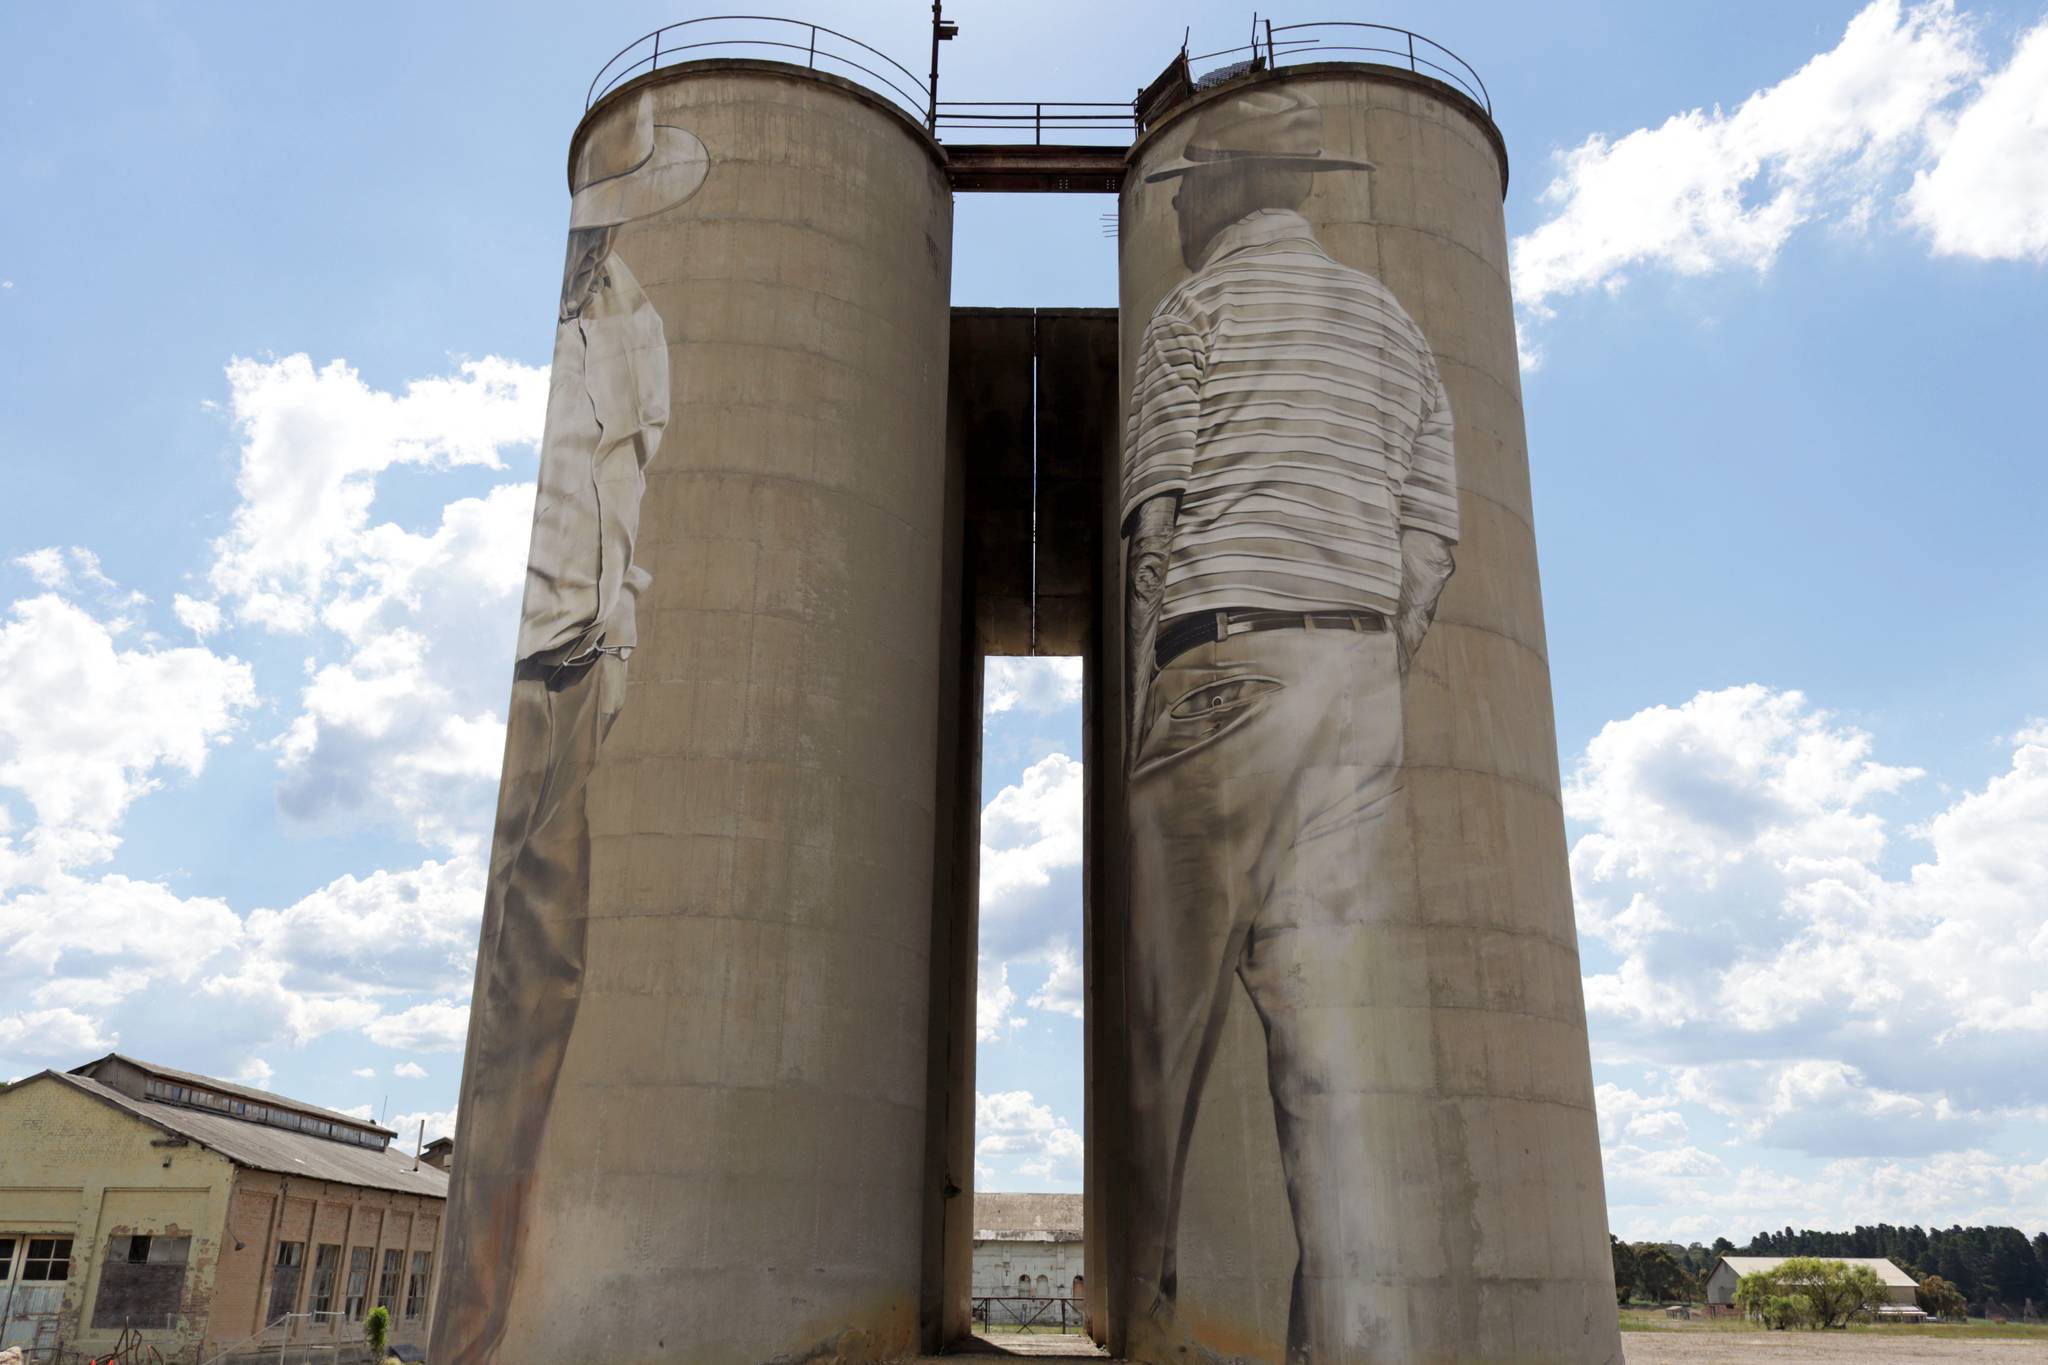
(261, 1147)
(1886, 1271)
(230, 1088)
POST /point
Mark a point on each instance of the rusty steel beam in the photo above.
(1036, 169)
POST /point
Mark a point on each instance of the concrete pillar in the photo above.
(1484, 1235)
(732, 1164)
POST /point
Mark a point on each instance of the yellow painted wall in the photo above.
(74, 1166)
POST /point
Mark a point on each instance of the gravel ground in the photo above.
(1741, 1348)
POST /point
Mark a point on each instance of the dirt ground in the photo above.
(1741, 1348)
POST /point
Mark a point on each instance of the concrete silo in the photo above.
(693, 1106)
(1361, 1126)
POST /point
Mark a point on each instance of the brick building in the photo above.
(203, 1216)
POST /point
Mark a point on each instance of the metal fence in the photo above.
(1349, 40)
(1025, 1314)
(771, 37)
(1043, 121)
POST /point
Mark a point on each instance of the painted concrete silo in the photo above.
(1362, 1123)
(692, 1121)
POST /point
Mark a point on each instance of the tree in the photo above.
(1661, 1278)
(1723, 1247)
(1624, 1268)
(1938, 1298)
(377, 1333)
(1836, 1290)
(1829, 1293)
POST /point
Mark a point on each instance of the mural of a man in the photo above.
(607, 407)
(1289, 504)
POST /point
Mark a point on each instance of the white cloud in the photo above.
(1011, 1127)
(314, 442)
(1030, 832)
(410, 631)
(1987, 195)
(413, 929)
(87, 726)
(256, 1072)
(439, 1124)
(1784, 972)
(364, 1073)
(1041, 684)
(58, 1035)
(98, 927)
(1709, 190)
(994, 998)
(1062, 992)
(201, 618)
(437, 1026)
(411, 1071)
(46, 567)
(1904, 93)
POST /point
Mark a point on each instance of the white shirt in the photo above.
(1295, 410)
(607, 405)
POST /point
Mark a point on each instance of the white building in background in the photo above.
(1729, 1270)
(1028, 1246)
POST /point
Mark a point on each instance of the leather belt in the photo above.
(1183, 633)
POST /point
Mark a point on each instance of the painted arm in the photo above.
(1429, 523)
(1159, 452)
(1426, 565)
(1151, 537)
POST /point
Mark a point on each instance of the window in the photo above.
(416, 1285)
(1044, 1287)
(142, 1280)
(48, 1259)
(1023, 1286)
(284, 1278)
(326, 1265)
(387, 1283)
(358, 1284)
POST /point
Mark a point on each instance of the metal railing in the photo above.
(255, 1342)
(1029, 1314)
(1376, 43)
(1061, 118)
(770, 36)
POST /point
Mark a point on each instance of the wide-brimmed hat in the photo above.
(630, 167)
(1259, 127)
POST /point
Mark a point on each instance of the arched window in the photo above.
(1024, 1286)
(1044, 1287)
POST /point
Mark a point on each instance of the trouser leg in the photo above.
(1305, 967)
(529, 976)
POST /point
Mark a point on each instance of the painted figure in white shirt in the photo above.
(608, 401)
(1289, 501)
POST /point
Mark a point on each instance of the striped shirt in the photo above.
(1294, 409)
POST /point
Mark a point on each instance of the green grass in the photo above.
(1653, 1320)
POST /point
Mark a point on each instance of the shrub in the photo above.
(1833, 1291)
(1938, 1298)
(377, 1332)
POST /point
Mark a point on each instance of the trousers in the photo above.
(1262, 794)
(528, 980)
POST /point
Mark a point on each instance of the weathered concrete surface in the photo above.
(1030, 429)
(732, 1170)
(1489, 1241)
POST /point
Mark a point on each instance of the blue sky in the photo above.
(276, 296)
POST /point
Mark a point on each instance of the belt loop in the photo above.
(1358, 624)
(1223, 625)
(1308, 620)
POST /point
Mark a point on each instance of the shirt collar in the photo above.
(1262, 227)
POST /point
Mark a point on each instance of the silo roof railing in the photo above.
(1349, 40)
(764, 35)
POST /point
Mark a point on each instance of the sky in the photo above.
(276, 303)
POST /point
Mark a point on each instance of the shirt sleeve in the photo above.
(1159, 441)
(1429, 495)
